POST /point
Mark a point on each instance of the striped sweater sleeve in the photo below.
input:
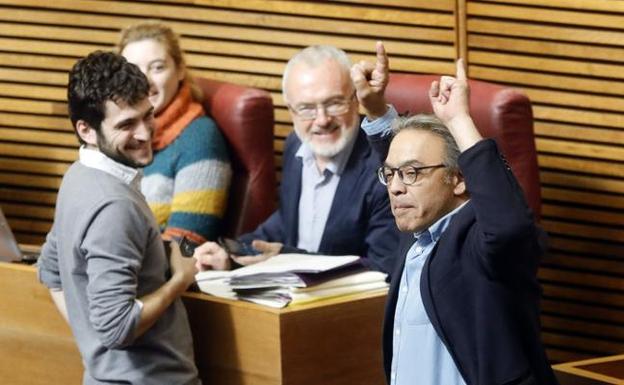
(187, 185)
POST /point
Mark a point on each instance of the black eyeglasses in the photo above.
(334, 107)
(408, 175)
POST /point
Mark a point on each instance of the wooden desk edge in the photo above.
(19, 266)
(288, 309)
(589, 361)
(244, 304)
(573, 368)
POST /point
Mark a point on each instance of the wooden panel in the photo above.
(590, 134)
(568, 55)
(22, 195)
(588, 231)
(576, 148)
(527, 11)
(562, 33)
(37, 345)
(559, 49)
(216, 15)
(229, 339)
(576, 278)
(35, 136)
(202, 10)
(586, 247)
(558, 355)
(575, 165)
(550, 194)
(526, 62)
(550, 80)
(594, 5)
(585, 182)
(331, 360)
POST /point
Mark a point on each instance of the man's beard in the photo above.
(105, 148)
(333, 149)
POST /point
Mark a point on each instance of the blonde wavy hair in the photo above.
(156, 30)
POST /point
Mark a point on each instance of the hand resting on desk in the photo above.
(211, 256)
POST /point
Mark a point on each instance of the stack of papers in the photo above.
(292, 278)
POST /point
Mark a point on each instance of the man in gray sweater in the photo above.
(104, 260)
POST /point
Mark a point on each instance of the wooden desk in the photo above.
(331, 342)
(36, 345)
(595, 371)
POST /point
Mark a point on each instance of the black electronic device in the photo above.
(232, 246)
(187, 247)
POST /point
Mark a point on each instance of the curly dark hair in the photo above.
(99, 77)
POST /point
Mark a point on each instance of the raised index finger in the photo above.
(382, 57)
(460, 73)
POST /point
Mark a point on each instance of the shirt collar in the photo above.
(98, 160)
(337, 164)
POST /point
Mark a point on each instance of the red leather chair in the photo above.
(499, 112)
(245, 117)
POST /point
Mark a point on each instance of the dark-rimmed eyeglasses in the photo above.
(408, 175)
(333, 107)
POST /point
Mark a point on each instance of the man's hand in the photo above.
(182, 268)
(267, 249)
(450, 96)
(450, 99)
(370, 83)
(211, 256)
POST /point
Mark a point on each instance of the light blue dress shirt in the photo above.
(317, 194)
(418, 354)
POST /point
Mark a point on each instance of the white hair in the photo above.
(314, 56)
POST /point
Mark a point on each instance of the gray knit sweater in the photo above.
(105, 251)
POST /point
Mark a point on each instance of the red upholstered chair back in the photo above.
(245, 117)
(499, 112)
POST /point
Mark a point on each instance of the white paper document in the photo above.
(289, 278)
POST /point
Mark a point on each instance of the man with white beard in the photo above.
(330, 201)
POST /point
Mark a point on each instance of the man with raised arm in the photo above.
(463, 306)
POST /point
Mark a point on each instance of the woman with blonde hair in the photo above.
(186, 185)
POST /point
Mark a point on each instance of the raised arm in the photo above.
(450, 99)
(509, 240)
(370, 81)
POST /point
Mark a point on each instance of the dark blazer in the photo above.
(479, 284)
(360, 221)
